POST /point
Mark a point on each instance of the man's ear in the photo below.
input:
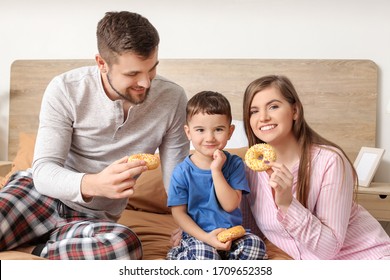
(101, 63)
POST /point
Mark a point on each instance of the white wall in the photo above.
(327, 29)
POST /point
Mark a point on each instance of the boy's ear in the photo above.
(187, 131)
(231, 130)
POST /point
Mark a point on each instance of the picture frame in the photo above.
(367, 163)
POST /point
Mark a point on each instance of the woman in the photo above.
(304, 203)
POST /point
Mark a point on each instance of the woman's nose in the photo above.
(264, 116)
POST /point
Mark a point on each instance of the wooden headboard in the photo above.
(339, 96)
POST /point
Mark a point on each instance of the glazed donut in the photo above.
(152, 161)
(257, 157)
(232, 233)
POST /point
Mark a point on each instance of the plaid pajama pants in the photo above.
(248, 247)
(30, 218)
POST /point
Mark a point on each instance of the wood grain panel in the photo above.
(339, 96)
(378, 207)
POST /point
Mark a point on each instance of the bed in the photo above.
(339, 97)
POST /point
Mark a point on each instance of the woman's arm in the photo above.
(321, 228)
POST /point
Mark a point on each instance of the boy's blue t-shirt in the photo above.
(194, 187)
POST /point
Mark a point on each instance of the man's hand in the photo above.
(115, 181)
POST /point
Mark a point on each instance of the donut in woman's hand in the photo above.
(232, 233)
(258, 156)
(152, 161)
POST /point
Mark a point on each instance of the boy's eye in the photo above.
(199, 129)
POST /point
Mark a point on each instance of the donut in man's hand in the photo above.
(152, 161)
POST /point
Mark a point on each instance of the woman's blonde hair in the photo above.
(305, 135)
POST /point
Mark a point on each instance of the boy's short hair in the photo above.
(210, 103)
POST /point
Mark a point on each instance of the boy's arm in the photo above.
(228, 197)
(188, 225)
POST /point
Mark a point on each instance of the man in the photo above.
(91, 119)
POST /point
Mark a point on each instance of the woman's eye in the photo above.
(253, 112)
(273, 107)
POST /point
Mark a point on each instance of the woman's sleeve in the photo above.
(321, 228)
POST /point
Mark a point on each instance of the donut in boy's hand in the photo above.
(232, 233)
(152, 161)
(257, 157)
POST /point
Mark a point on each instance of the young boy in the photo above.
(206, 188)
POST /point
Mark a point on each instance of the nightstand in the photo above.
(376, 199)
(5, 167)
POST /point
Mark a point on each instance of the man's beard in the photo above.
(126, 97)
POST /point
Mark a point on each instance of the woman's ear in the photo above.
(295, 112)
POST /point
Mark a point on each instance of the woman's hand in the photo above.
(281, 181)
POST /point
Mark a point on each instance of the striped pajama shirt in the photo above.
(333, 226)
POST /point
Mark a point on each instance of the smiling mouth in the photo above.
(267, 127)
(139, 90)
(210, 146)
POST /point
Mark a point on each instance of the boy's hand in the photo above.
(213, 240)
(219, 159)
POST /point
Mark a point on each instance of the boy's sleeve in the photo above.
(178, 189)
(237, 178)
